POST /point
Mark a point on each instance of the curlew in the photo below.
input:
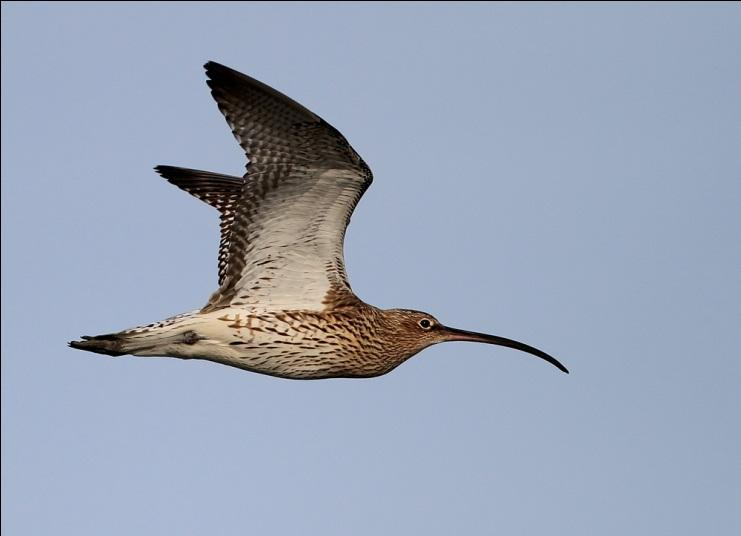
(284, 306)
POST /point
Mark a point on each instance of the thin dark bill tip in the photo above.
(558, 365)
(539, 353)
(462, 335)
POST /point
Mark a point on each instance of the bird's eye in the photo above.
(425, 324)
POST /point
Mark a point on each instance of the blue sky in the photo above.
(567, 175)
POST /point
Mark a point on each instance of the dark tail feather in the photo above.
(102, 344)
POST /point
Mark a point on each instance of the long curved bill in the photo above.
(472, 336)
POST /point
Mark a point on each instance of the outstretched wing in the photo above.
(282, 246)
(220, 191)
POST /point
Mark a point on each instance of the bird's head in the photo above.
(414, 331)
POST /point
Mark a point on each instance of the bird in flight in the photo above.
(284, 306)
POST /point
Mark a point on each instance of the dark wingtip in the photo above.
(167, 172)
(213, 68)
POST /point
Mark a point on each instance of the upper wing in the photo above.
(282, 248)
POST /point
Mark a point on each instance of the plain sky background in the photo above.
(568, 175)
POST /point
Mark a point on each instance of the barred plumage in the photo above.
(284, 306)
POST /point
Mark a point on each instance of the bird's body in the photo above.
(350, 341)
(284, 306)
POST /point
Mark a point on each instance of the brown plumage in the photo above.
(284, 306)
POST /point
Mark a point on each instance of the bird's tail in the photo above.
(143, 343)
(110, 344)
(151, 340)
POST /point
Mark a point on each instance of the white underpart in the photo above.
(258, 350)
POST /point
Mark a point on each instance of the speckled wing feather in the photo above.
(283, 247)
(220, 191)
